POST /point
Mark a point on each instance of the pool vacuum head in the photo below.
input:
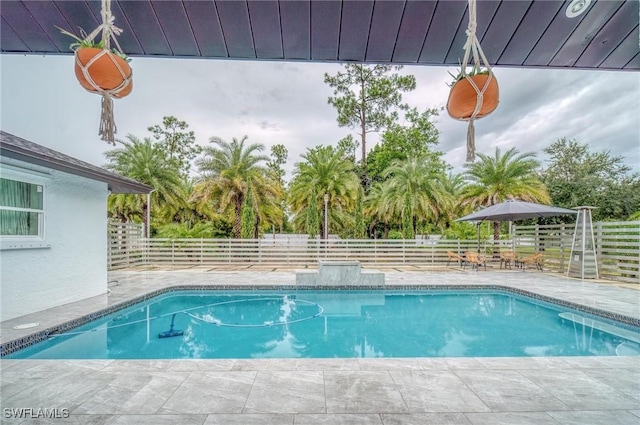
(170, 333)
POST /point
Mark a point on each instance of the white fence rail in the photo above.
(125, 245)
(618, 249)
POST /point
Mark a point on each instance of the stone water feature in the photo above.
(339, 273)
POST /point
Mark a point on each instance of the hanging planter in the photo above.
(473, 94)
(106, 70)
(463, 97)
(101, 69)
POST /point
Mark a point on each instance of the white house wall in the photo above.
(73, 264)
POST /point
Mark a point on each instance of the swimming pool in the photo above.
(325, 324)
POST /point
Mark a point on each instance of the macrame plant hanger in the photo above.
(473, 51)
(114, 55)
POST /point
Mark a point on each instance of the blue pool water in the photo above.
(322, 324)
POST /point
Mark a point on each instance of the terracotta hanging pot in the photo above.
(463, 97)
(103, 71)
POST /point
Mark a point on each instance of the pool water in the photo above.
(325, 324)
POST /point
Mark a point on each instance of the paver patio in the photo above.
(523, 390)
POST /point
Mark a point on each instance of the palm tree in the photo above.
(325, 170)
(248, 216)
(453, 185)
(125, 207)
(228, 170)
(494, 179)
(146, 162)
(376, 209)
(414, 192)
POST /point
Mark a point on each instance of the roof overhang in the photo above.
(577, 34)
(23, 150)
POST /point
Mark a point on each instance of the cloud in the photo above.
(286, 103)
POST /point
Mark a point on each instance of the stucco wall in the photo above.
(74, 267)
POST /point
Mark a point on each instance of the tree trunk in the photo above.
(237, 222)
(363, 127)
(496, 239)
(144, 221)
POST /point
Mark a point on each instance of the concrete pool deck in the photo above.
(531, 390)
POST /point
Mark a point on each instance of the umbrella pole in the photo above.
(513, 242)
(478, 226)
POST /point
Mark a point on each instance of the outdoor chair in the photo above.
(476, 260)
(532, 260)
(507, 258)
(452, 256)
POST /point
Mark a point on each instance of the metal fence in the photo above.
(618, 249)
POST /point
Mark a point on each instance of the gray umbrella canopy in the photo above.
(515, 210)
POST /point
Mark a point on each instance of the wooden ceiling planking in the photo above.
(29, 29)
(78, 14)
(265, 23)
(354, 30)
(634, 63)
(610, 36)
(49, 17)
(620, 57)
(528, 33)
(484, 15)
(11, 42)
(176, 27)
(296, 34)
(206, 28)
(236, 28)
(533, 25)
(446, 20)
(325, 29)
(495, 39)
(128, 40)
(413, 30)
(78, 17)
(147, 27)
(383, 33)
(598, 15)
(555, 36)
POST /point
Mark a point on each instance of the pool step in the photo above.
(602, 326)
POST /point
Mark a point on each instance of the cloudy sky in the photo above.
(286, 102)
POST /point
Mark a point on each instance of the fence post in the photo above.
(128, 248)
(432, 248)
(259, 252)
(173, 249)
(404, 252)
(562, 231)
(599, 237)
(375, 251)
(229, 251)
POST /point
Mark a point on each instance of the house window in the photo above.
(21, 209)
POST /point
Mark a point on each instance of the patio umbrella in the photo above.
(513, 210)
